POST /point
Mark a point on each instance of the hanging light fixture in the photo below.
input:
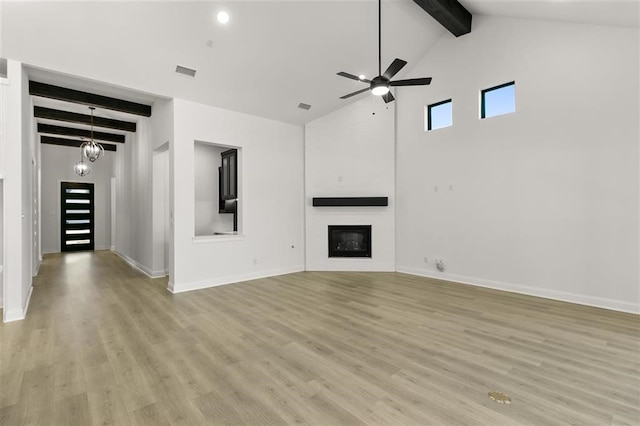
(81, 168)
(92, 150)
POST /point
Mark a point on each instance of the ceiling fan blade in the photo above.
(412, 82)
(393, 69)
(354, 93)
(388, 98)
(353, 77)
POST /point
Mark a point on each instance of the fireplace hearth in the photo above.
(349, 240)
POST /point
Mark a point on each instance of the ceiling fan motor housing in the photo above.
(380, 85)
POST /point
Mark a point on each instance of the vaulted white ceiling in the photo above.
(270, 56)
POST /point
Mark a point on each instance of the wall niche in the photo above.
(216, 171)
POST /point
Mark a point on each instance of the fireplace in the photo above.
(349, 240)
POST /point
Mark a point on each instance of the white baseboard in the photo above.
(580, 299)
(345, 265)
(52, 251)
(19, 314)
(198, 285)
(140, 267)
(113, 248)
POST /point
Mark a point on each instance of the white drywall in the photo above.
(270, 189)
(350, 153)
(18, 151)
(161, 122)
(543, 201)
(207, 220)
(57, 167)
(136, 239)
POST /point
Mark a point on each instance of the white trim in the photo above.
(222, 238)
(197, 285)
(35, 273)
(19, 314)
(56, 251)
(580, 299)
(351, 264)
(140, 267)
(1, 286)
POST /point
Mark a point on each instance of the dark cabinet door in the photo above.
(229, 178)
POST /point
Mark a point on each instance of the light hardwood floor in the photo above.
(102, 344)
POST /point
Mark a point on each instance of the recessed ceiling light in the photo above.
(223, 17)
(362, 76)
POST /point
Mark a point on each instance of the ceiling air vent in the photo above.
(304, 106)
(185, 71)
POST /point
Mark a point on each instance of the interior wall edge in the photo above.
(18, 314)
(233, 279)
(140, 267)
(561, 296)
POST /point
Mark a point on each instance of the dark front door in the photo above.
(76, 228)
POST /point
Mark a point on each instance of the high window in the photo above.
(439, 115)
(498, 100)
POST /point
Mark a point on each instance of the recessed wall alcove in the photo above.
(216, 170)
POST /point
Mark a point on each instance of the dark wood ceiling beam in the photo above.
(69, 95)
(449, 13)
(51, 140)
(72, 117)
(83, 133)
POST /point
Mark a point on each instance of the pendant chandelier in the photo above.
(81, 168)
(92, 150)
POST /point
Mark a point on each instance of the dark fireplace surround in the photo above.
(350, 241)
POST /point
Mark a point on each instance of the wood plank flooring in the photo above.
(104, 345)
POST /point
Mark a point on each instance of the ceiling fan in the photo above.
(379, 85)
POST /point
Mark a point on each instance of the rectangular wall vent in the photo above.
(186, 71)
(304, 106)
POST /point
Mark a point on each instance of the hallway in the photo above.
(103, 344)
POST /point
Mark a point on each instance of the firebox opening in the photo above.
(349, 240)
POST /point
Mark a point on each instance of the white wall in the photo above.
(18, 151)
(207, 159)
(350, 153)
(136, 240)
(544, 201)
(57, 166)
(161, 122)
(270, 189)
(3, 136)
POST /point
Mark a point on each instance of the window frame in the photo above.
(483, 92)
(430, 106)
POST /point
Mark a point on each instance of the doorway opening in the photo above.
(77, 213)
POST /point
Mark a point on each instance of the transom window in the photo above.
(498, 100)
(439, 115)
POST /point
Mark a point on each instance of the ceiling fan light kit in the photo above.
(381, 84)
